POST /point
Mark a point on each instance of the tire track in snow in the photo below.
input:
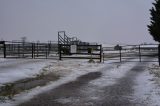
(69, 93)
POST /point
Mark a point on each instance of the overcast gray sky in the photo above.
(110, 21)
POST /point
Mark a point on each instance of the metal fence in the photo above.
(81, 52)
(10, 49)
(141, 53)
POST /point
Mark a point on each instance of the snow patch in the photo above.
(147, 90)
(13, 69)
(74, 69)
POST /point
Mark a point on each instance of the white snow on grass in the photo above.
(147, 89)
(2, 59)
(16, 69)
(69, 70)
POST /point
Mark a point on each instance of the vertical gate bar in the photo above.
(23, 50)
(103, 57)
(4, 49)
(100, 53)
(18, 50)
(37, 48)
(32, 51)
(49, 47)
(46, 51)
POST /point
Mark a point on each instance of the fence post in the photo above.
(100, 53)
(32, 50)
(37, 49)
(59, 50)
(103, 57)
(4, 49)
(139, 53)
(46, 51)
(23, 43)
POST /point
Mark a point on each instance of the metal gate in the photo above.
(80, 51)
(141, 53)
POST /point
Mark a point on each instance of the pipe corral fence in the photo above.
(83, 50)
(14, 49)
(72, 47)
(141, 53)
(60, 49)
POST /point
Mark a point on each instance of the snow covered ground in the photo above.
(147, 88)
(69, 70)
(15, 69)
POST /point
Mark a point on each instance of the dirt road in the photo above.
(83, 93)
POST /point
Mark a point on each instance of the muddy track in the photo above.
(11, 89)
(70, 94)
(120, 94)
(68, 89)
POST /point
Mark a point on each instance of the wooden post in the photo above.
(159, 54)
(140, 53)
